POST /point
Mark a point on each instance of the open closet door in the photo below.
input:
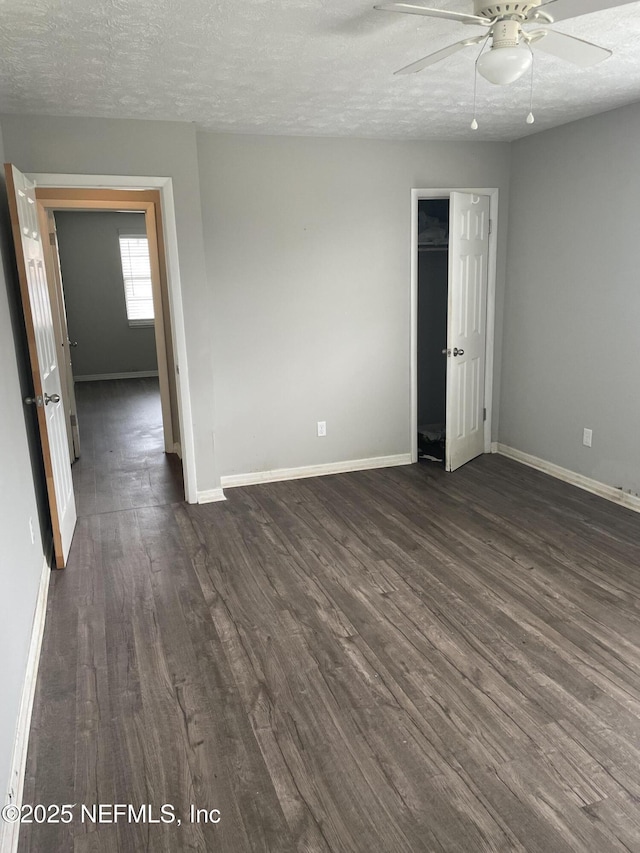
(43, 357)
(466, 327)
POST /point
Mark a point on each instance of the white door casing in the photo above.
(43, 357)
(466, 327)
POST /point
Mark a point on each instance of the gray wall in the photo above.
(572, 317)
(21, 562)
(305, 311)
(129, 147)
(308, 253)
(94, 294)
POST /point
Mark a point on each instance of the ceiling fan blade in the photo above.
(439, 55)
(571, 49)
(410, 9)
(561, 10)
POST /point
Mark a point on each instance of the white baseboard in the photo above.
(99, 377)
(494, 446)
(211, 496)
(594, 486)
(9, 831)
(253, 479)
(177, 449)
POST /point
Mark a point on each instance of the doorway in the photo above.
(45, 322)
(94, 190)
(107, 277)
(455, 237)
(112, 388)
(55, 200)
(433, 288)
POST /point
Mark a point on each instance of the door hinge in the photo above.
(490, 226)
(484, 414)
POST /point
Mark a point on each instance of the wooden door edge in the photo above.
(33, 362)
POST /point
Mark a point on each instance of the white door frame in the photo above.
(165, 186)
(445, 192)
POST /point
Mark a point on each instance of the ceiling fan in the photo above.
(510, 55)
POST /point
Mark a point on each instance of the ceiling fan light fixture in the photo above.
(504, 65)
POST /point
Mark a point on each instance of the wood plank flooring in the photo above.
(122, 464)
(389, 661)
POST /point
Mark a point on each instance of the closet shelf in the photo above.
(433, 247)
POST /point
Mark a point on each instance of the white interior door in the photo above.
(44, 362)
(63, 342)
(466, 327)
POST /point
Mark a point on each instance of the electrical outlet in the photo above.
(587, 436)
(322, 429)
(31, 531)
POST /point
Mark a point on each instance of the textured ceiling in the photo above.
(303, 67)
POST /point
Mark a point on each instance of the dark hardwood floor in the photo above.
(378, 662)
(122, 464)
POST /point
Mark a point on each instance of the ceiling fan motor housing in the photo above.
(506, 34)
(504, 10)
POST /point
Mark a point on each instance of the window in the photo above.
(136, 272)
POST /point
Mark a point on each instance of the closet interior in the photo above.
(433, 284)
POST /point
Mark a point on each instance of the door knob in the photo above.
(457, 351)
(33, 401)
(446, 352)
(72, 343)
(51, 398)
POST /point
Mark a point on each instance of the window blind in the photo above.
(136, 272)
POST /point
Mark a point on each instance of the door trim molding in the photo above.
(165, 187)
(445, 192)
(211, 496)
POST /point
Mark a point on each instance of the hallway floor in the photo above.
(122, 461)
(387, 661)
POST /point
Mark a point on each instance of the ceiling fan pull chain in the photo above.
(474, 123)
(531, 118)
